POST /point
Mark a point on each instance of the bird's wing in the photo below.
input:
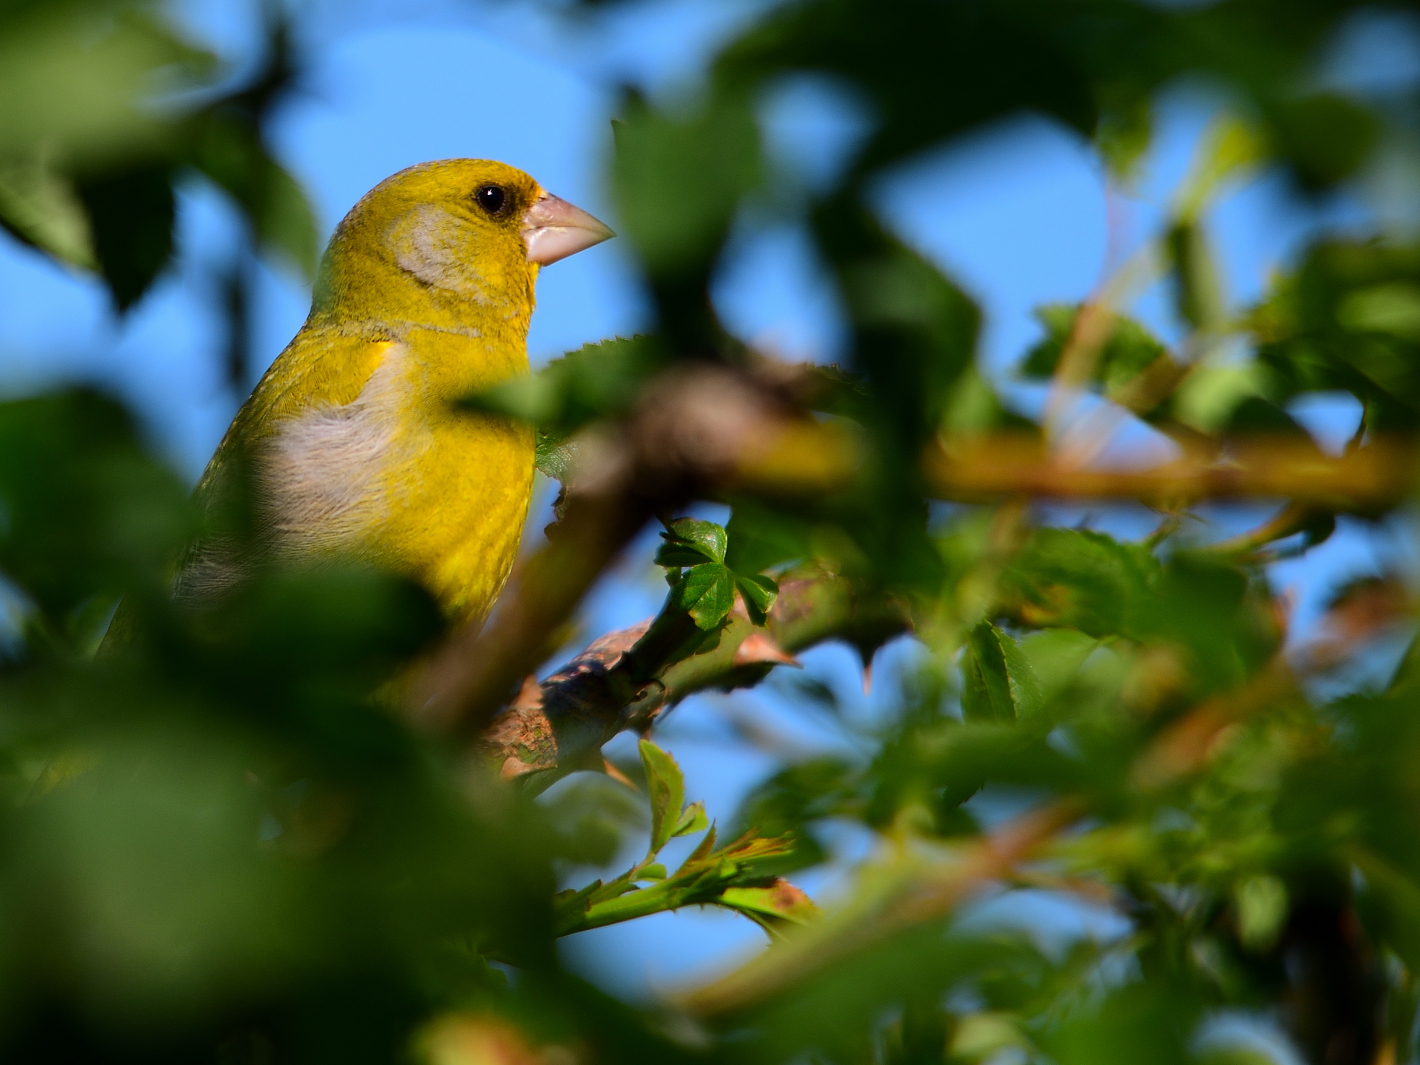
(319, 368)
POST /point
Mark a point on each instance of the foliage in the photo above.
(220, 838)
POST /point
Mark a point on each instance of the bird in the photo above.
(352, 444)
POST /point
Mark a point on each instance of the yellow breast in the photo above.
(397, 475)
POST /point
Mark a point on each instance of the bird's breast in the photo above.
(400, 477)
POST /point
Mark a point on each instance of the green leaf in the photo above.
(555, 455)
(772, 905)
(678, 178)
(39, 205)
(1080, 579)
(706, 592)
(1129, 349)
(759, 593)
(1000, 684)
(693, 541)
(654, 871)
(1055, 656)
(666, 787)
(594, 381)
(692, 819)
(1198, 294)
(132, 213)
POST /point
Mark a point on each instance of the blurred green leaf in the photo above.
(678, 178)
(1080, 579)
(666, 787)
(1129, 349)
(39, 205)
(132, 213)
(1000, 684)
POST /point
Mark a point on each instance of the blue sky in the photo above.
(1019, 214)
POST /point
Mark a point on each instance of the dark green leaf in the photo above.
(759, 593)
(706, 592)
(1000, 684)
(690, 541)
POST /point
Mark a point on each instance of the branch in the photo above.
(1371, 477)
(562, 723)
(910, 892)
(695, 432)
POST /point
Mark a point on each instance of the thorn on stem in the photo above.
(759, 647)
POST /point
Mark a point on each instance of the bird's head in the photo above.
(469, 233)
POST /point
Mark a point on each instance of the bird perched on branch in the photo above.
(352, 443)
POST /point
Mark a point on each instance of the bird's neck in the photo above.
(462, 340)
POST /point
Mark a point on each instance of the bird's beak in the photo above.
(553, 229)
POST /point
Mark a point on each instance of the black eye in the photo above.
(491, 198)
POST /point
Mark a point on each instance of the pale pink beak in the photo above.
(553, 229)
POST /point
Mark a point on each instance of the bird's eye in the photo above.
(491, 198)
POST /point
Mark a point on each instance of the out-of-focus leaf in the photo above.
(1261, 903)
(1055, 657)
(1129, 349)
(1139, 1022)
(591, 382)
(1325, 136)
(132, 214)
(1000, 684)
(231, 153)
(761, 537)
(39, 205)
(666, 787)
(1342, 322)
(1083, 580)
(1214, 390)
(1227, 150)
(1198, 293)
(80, 77)
(679, 178)
(83, 508)
(915, 331)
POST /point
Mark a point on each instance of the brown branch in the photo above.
(983, 468)
(562, 723)
(694, 431)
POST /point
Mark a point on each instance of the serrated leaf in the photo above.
(594, 381)
(555, 455)
(1000, 684)
(759, 593)
(707, 593)
(703, 539)
(666, 787)
(692, 819)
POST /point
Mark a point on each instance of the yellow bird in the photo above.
(352, 440)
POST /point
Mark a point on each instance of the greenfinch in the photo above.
(353, 443)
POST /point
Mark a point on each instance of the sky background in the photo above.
(1019, 214)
